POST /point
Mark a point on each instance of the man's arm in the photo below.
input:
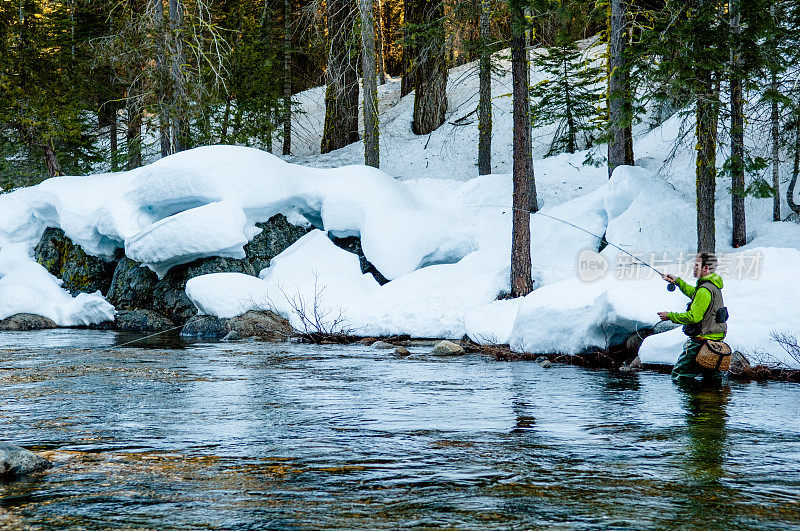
(687, 289)
(696, 311)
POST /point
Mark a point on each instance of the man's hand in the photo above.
(664, 316)
(669, 278)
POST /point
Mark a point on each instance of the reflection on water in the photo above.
(254, 435)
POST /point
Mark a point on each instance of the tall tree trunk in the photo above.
(180, 125)
(287, 78)
(133, 133)
(571, 133)
(226, 118)
(112, 137)
(369, 81)
(341, 93)
(737, 134)
(407, 59)
(775, 119)
(521, 282)
(485, 91)
(107, 117)
(620, 143)
(706, 169)
(795, 169)
(381, 61)
(51, 159)
(430, 68)
(159, 29)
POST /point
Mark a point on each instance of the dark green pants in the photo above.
(686, 368)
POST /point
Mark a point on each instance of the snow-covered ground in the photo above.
(429, 224)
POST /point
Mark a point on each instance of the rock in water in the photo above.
(382, 345)
(264, 325)
(447, 348)
(739, 363)
(26, 321)
(81, 273)
(16, 461)
(142, 321)
(546, 364)
(402, 351)
(205, 326)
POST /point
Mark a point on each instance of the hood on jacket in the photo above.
(713, 278)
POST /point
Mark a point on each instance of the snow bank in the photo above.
(26, 287)
(326, 281)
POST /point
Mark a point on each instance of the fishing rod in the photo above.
(670, 286)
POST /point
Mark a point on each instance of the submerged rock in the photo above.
(81, 272)
(26, 321)
(205, 326)
(261, 324)
(142, 321)
(447, 348)
(382, 345)
(16, 461)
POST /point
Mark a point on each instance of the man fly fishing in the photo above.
(703, 319)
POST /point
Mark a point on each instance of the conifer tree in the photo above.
(570, 96)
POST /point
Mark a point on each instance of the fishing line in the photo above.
(670, 286)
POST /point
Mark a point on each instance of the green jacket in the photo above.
(701, 298)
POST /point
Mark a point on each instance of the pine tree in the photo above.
(570, 96)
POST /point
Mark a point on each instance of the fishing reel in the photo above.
(670, 287)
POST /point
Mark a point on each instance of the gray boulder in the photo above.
(134, 287)
(169, 295)
(131, 286)
(26, 321)
(262, 324)
(277, 234)
(447, 348)
(142, 321)
(402, 351)
(205, 327)
(81, 273)
(16, 461)
(545, 363)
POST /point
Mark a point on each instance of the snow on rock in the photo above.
(216, 229)
(571, 316)
(326, 281)
(27, 287)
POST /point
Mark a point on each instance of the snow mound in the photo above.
(27, 287)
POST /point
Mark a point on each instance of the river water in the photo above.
(260, 435)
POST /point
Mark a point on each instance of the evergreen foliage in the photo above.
(571, 96)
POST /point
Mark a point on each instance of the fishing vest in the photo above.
(709, 323)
